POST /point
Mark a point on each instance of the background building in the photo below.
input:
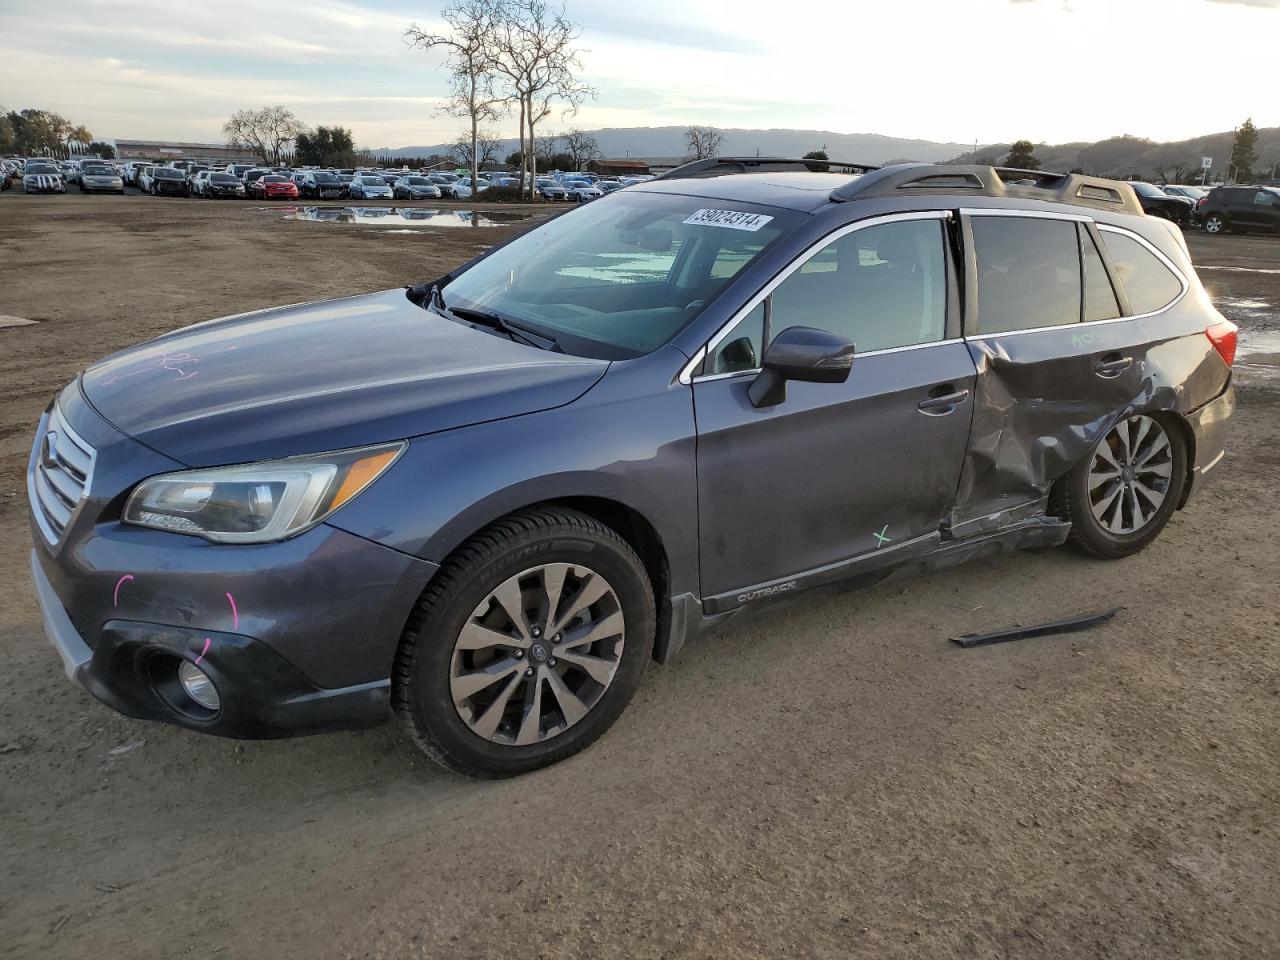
(175, 150)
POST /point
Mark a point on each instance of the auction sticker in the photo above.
(733, 219)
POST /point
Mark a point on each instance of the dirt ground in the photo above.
(827, 779)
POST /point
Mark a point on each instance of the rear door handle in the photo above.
(1112, 365)
(942, 400)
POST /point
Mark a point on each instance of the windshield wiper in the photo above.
(496, 322)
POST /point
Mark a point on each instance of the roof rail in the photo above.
(722, 166)
(929, 178)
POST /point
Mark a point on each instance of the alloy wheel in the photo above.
(1129, 475)
(537, 654)
(1213, 224)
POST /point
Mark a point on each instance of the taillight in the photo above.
(1201, 202)
(1223, 337)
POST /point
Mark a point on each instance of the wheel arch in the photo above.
(639, 532)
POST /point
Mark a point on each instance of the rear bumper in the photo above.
(1209, 426)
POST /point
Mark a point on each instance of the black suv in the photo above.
(1156, 203)
(484, 501)
(1241, 209)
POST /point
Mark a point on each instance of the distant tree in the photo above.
(105, 150)
(487, 144)
(816, 155)
(1022, 156)
(268, 132)
(582, 147)
(473, 88)
(36, 132)
(77, 136)
(324, 147)
(1173, 172)
(703, 142)
(515, 159)
(538, 58)
(7, 134)
(1244, 152)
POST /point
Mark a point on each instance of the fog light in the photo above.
(198, 686)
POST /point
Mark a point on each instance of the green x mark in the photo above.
(881, 539)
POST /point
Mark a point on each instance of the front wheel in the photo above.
(527, 645)
(1215, 223)
(1122, 495)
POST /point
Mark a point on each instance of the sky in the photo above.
(1050, 71)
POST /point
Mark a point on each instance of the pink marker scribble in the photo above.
(115, 596)
(207, 641)
(235, 614)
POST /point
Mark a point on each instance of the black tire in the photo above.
(420, 685)
(1072, 502)
(1215, 223)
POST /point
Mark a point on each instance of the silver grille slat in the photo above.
(61, 476)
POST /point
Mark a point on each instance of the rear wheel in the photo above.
(1122, 495)
(526, 646)
(1215, 223)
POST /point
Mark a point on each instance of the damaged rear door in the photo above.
(1058, 358)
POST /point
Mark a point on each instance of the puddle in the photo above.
(1258, 341)
(16, 322)
(401, 216)
(1236, 269)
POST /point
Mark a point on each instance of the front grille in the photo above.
(63, 469)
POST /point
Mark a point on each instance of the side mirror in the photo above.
(800, 353)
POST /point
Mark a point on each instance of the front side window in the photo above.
(620, 277)
(1149, 284)
(1028, 273)
(880, 287)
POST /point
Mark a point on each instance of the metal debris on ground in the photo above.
(1071, 625)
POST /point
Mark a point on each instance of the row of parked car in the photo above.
(1241, 208)
(189, 178)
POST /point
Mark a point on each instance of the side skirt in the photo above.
(921, 555)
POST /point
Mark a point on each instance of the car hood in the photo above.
(324, 376)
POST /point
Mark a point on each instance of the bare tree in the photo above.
(473, 91)
(546, 147)
(1174, 172)
(479, 146)
(703, 142)
(582, 147)
(267, 132)
(534, 51)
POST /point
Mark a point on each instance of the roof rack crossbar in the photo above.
(1071, 188)
(725, 166)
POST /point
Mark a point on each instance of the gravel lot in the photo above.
(829, 778)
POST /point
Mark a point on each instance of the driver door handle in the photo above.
(942, 400)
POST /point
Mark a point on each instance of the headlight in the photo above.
(257, 502)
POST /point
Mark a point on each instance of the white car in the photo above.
(462, 188)
(369, 186)
(42, 178)
(582, 191)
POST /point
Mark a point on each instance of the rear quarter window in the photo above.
(1150, 285)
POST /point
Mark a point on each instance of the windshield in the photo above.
(167, 173)
(99, 171)
(37, 168)
(1147, 190)
(275, 179)
(620, 277)
(417, 181)
(325, 178)
(222, 178)
(373, 182)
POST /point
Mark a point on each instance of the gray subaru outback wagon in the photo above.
(481, 503)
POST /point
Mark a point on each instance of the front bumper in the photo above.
(298, 636)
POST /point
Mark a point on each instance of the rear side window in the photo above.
(1028, 273)
(1100, 301)
(1149, 284)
